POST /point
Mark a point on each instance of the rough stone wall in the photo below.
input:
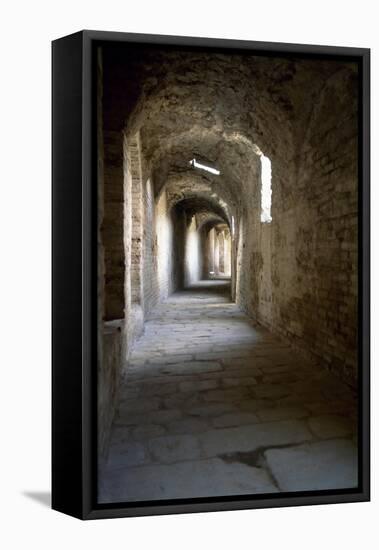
(193, 263)
(265, 280)
(228, 252)
(110, 273)
(108, 382)
(249, 253)
(169, 237)
(254, 253)
(179, 223)
(133, 317)
(317, 309)
(132, 237)
(221, 252)
(216, 253)
(211, 253)
(150, 265)
(206, 251)
(134, 160)
(298, 274)
(112, 226)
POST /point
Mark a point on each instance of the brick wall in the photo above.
(298, 274)
(112, 226)
(193, 263)
(320, 313)
(134, 161)
(150, 266)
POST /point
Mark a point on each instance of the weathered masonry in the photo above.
(227, 166)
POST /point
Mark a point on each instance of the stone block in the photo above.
(282, 413)
(191, 367)
(198, 385)
(190, 479)
(174, 448)
(126, 454)
(328, 426)
(252, 437)
(323, 465)
(148, 431)
(234, 419)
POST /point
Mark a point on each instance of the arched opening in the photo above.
(217, 250)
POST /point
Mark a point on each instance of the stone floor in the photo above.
(214, 404)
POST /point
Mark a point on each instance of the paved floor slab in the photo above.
(323, 465)
(214, 404)
(195, 479)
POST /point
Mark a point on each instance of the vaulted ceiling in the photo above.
(223, 108)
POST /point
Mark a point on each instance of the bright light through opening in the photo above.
(265, 190)
(233, 226)
(196, 164)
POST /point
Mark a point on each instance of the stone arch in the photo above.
(137, 220)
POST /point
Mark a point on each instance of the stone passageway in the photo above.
(213, 404)
(227, 273)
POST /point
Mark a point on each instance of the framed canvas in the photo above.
(210, 275)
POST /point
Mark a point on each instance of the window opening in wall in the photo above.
(201, 166)
(233, 226)
(265, 189)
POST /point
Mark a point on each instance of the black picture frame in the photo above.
(74, 206)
